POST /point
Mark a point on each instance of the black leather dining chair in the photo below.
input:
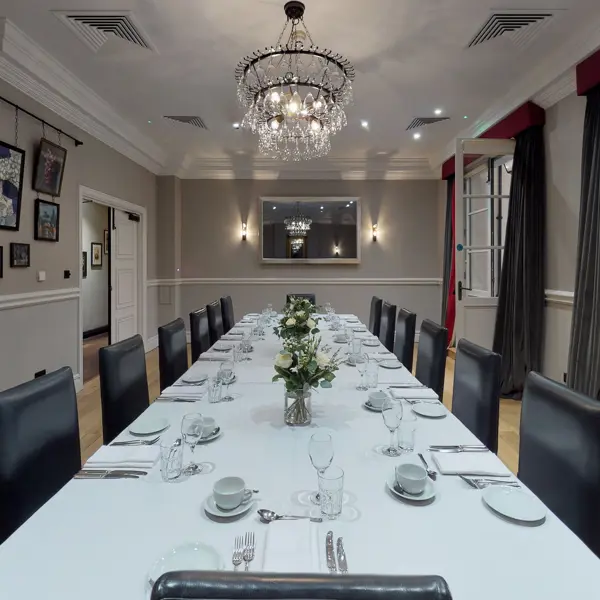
(375, 315)
(559, 454)
(404, 342)
(310, 297)
(39, 445)
(219, 585)
(215, 321)
(431, 356)
(123, 385)
(172, 352)
(227, 311)
(388, 325)
(199, 332)
(476, 391)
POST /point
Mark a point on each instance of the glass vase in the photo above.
(297, 409)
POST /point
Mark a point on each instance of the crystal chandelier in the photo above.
(294, 92)
(298, 225)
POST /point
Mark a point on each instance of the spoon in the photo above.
(266, 516)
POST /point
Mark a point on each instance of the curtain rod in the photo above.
(77, 142)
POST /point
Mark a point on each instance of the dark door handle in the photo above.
(461, 287)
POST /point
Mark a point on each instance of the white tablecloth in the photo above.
(98, 539)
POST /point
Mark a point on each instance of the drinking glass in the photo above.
(320, 450)
(407, 432)
(327, 307)
(215, 386)
(331, 490)
(227, 374)
(372, 374)
(171, 458)
(246, 344)
(272, 313)
(349, 334)
(356, 346)
(191, 430)
(335, 323)
(361, 365)
(392, 411)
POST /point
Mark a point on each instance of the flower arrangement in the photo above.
(297, 320)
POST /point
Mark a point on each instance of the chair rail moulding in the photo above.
(560, 298)
(412, 281)
(9, 301)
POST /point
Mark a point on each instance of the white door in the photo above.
(481, 210)
(124, 277)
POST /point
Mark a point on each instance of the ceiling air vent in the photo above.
(422, 121)
(94, 27)
(195, 121)
(521, 26)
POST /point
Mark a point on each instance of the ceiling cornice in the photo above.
(29, 68)
(548, 83)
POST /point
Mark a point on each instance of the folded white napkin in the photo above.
(292, 547)
(414, 393)
(215, 356)
(114, 457)
(379, 356)
(233, 337)
(184, 391)
(469, 463)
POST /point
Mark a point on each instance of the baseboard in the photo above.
(151, 343)
(78, 383)
(97, 331)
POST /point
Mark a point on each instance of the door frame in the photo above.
(86, 193)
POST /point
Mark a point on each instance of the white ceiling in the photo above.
(411, 57)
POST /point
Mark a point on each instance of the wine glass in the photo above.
(392, 412)
(227, 374)
(362, 360)
(320, 450)
(191, 430)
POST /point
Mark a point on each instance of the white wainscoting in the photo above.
(558, 313)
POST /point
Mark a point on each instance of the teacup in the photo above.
(208, 426)
(230, 492)
(376, 399)
(411, 478)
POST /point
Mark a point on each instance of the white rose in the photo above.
(311, 323)
(283, 360)
(290, 322)
(300, 314)
(322, 359)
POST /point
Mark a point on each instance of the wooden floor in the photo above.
(90, 355)
(90, 414)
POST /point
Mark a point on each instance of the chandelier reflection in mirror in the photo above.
(294, 92)
(298, 225)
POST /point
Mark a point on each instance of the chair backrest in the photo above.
(218, 585)
(559, 454)
(375, 315)
(431, 356)
(123, 385)
(388, 325)
(227, 310)
(215, 321)
(199, 332)
(39, 445)
(476, 391)
(311, 297)
(172, 352)
(404, 343)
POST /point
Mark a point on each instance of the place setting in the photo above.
(410, 482)
(230, 499)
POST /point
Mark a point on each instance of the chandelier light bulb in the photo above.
(275, 96)
(315, 125)
(274, 124)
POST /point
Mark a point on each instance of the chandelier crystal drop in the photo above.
(294, 92)
(298, 225)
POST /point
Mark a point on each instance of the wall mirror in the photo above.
(309, 230)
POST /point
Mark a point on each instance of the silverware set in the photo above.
(178, 399)
(342, 563)
(243, 550)
(480, 483)
(459, 448)
(110, 474)
(149, 442)
(407, 386)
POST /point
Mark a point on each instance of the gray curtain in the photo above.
(518, 333)
(584, 352)
(448, 249)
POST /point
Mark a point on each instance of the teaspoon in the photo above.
(266, 516)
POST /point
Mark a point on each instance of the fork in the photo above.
(238, 552)
(137, 442)
(249, 549)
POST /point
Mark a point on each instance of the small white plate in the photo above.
(370, 407)
(194, 379)
(194, 556)
(222, 347)
(371, 343)
(213, 436)
(340, 339)
(212, 509)
(428, 492)
(432, 411)
(148, 425)
(393, 363)
(514, 503)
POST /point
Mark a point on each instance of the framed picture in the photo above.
(12, 168)
(19, 255)
(49, 168)
(106, 241)
(47, 216)
(83, 265)
(96, 254)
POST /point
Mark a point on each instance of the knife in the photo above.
(409, 386)
(178, 399)
(458, 448)
(134, 472)
(341, 555)
(107, 476)
(329, 552)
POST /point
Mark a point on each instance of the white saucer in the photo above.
(148, 425)
(371, 343)
(193, 556)
(428, 492)
(514, 503)
(194, 379)
(370, 407)
(212, 436)
(432, 411)
(340, 339)
(212, 509)
(222, 347)
(392, 363)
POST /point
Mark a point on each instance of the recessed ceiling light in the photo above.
(274, 207)
(465, 117)
(347, 205)
(321, 208)
(236, 125)
(149, 122)
(364, 124)
(417, 136)
(351, 201)
(437, 111)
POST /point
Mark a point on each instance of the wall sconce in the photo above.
(244, 231)
(375, 231)
(336, 250)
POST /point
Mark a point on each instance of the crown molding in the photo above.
(352, 281)
(28, 67)
(550, 81)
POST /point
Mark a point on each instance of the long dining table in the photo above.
(97, 539)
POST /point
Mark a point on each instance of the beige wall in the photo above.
(94, 165)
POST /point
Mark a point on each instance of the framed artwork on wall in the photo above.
(83, 265)
(106, 241)
(46, 220)
(49, 168)
(12, 169)
(96, 254)
(19, 255)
